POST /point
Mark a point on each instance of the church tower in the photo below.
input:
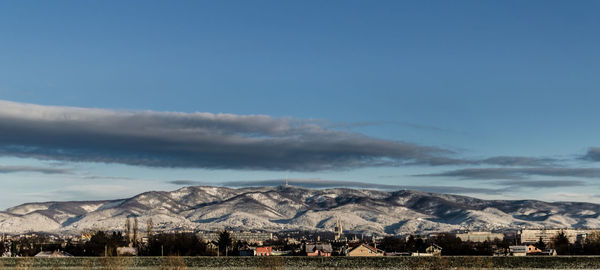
(338, 230)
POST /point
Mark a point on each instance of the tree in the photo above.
(392, 244)
(28, 247)
(411, 244)
(224, 242)
(451, 245)
(592, 244)
(420, 244)
(540, 244)
(175, 244)
(102, 244)
(561, 243)
(149, 226)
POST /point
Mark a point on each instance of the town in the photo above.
(131, 241)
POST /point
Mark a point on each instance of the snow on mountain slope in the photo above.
(292, 208)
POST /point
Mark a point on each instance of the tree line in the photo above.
(189, 244)
(452, 245)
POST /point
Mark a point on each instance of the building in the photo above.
(264, 251)
(529, 236)
(52, 254)
(86, 236)
(364, 250)
(518, 250)
(248, 237)
(5, 248)
(256, 251)
(248, 252)
(338, 230)
(127, 251)
(479, 236)
(318, 249)
(533, 249)
(434, 249)
(530, 250)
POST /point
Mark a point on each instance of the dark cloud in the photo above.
(188, 183)
(593, 154)
(205, 140)
(322, 184)
(517, 173)
(195, 140)
(44, 170)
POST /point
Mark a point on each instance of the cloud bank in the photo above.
(211, 141)
(503, 186)
(322, 184)
(196, 140)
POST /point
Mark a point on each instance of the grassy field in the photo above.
(457, 262)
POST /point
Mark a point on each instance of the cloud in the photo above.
(507, 161)
(44, 170)
(322, 184)
(206, 140)
(188, 183)
(571, 197)
(319, 184)
(518, 161)
(382, 123)
(593, 154)
(542, 183)
(196, 140)
(85, 192)
(516, 173)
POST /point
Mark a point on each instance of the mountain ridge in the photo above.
(208, 208)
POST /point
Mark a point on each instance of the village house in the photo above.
(518, 250)
(318, 249)
(363, 250)
(264, 251)
(530, 250)
(52, 254)
(433, 250)
(533, 249)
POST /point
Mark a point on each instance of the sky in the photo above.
(107, 99)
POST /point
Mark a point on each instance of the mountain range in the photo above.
(209, 208)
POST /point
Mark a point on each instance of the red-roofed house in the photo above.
(264, 251)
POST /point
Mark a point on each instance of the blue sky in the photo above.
(478, 79)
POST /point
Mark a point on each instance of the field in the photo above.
(458, 262)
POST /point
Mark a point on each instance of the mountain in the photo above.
(293, 208)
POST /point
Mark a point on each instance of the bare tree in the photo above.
(128, 230)
(149, 226)
(135, 230)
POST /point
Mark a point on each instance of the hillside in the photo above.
(293, 208)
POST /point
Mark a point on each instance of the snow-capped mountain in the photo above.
(292, 208)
